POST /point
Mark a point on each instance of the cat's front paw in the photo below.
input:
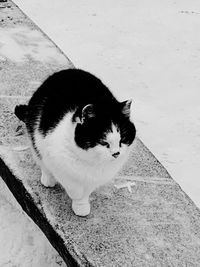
(81, 208)
(47, 180)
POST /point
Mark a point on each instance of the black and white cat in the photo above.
(80, 133)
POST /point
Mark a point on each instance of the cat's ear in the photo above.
(87, 113)
(126, 107)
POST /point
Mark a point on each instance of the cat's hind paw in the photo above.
(81, 208)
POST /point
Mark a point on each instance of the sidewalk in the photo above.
(153, 224)
(147, 51)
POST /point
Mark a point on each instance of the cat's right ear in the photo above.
(126, 108)
(87, 113)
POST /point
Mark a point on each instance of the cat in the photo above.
(80, 133)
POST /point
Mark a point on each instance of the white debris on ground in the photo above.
(20, 148)
(125, 185)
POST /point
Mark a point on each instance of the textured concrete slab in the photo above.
(142, 218)
(27, 56)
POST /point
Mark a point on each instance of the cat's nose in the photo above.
(116, 154)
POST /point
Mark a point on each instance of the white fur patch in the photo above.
(78, 170)
(113, 138)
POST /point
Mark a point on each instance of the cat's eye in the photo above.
(103, 143)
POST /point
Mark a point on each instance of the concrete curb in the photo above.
(28, 204)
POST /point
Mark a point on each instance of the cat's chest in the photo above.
(60, 153)
(84, 166)
(71, 164)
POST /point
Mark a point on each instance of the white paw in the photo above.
(81, 208)
(47, 180)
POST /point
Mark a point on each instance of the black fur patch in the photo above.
(91, 132)
(71, 90)
(21, 112)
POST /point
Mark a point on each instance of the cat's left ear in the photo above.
(87, 113)
(126, 107)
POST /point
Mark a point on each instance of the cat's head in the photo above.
(105, 129)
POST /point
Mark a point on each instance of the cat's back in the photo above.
(65, 91)
(71, 86)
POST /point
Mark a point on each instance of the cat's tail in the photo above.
(21, 111)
